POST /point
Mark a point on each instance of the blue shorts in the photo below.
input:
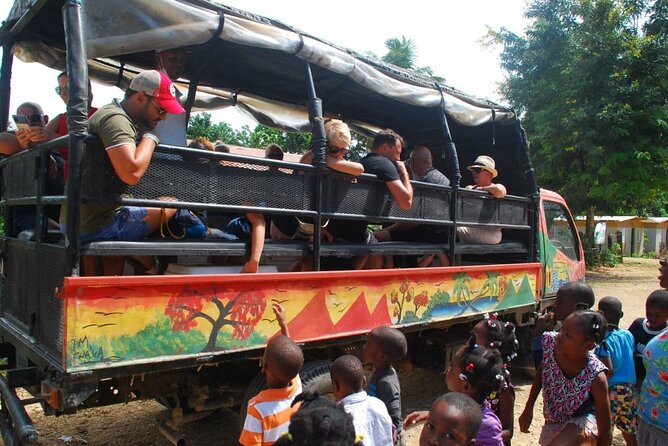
(129, 223)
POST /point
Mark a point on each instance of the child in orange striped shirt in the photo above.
(269, 412)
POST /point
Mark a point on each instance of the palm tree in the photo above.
(401, 52)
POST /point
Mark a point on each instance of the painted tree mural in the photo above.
(241, 310)
(491, 285)
(461, 293)
(407, 296)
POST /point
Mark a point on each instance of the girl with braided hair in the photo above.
(575, 388)
(319, 421)
(477, 372)
(492, 333)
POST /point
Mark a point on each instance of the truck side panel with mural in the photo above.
(194, 341)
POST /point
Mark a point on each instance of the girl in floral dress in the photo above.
(575, 389)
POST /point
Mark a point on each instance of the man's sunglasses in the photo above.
(65, 89)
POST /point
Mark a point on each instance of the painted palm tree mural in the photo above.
(130, 320)
(242, 310)
(460, 292)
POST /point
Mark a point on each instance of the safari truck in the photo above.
(194, 341)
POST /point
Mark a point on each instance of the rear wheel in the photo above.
(314, 376)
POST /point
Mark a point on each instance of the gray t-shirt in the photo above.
(434, 176)
(384, 385)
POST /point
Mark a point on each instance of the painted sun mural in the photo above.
(140, 319)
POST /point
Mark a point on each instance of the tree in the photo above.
(200, 125)
(586, 80)
(402, 52)
(242, 310)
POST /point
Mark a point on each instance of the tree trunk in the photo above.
(213, 336)
(589, 225)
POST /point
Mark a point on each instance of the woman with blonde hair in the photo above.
(338, 138)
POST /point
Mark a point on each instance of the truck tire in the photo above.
(314, 376)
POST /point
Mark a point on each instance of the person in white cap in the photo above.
(484, 171)
(124, 127)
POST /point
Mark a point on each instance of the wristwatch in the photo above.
(152, 136)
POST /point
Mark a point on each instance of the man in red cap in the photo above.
(125, 131)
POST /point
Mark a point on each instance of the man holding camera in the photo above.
(31, 121)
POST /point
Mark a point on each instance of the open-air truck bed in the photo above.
(77, 342)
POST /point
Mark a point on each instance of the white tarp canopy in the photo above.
(115, 29)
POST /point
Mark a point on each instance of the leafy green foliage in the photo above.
(590, 83)
(200, 125)
(402, 52)
(159, 339)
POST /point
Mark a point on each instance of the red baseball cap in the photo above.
(157, 84)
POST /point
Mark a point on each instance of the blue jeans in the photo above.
(129, 223)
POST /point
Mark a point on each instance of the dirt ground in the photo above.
(136, 423)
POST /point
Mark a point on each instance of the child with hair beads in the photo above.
(453, 420)
(616, 353)
(477, 372)
(268, 413)
(384, 346)
(575, 390)
(319, 421)
(492, 333)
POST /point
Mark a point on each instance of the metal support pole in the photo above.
(533, 192)
(450, 152)
(318, 146)
(27, 433)
(5, 84)
(77, 115)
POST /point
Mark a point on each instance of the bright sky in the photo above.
(446, 33)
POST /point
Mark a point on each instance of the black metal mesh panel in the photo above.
(371, 198)
(514, 212)
(207, 180)
(51, 264)
(21, 281)
(18, 176)
(482, 208)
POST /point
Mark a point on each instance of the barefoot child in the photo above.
(453, 420)
(617, 355)
(385, 345)
(269, 411)
(494, 334)
(477, 372)
(575, 390)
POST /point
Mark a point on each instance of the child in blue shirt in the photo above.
(617, 354)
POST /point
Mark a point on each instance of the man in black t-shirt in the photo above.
(383, 161)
